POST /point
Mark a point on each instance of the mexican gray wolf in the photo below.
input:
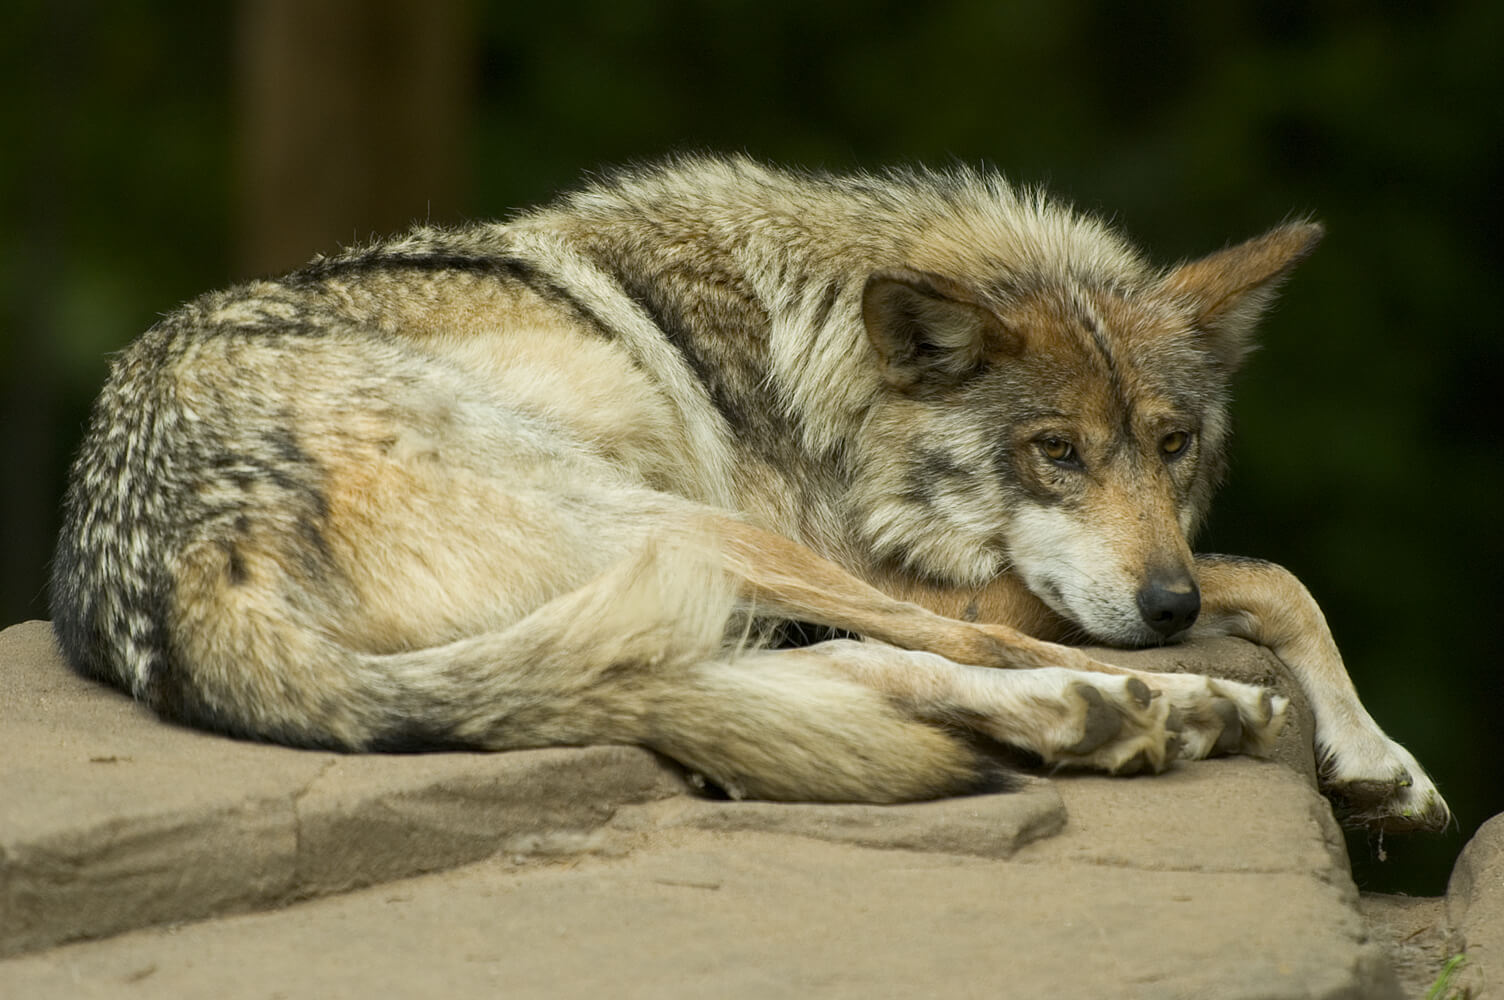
(554, 481)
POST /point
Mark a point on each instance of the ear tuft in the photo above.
(928, 330)
(1230, 290)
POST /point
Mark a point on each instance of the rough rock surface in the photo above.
(1475, 911)
(182, 864)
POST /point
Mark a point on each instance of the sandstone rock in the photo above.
(593, 872)
(1475, 909)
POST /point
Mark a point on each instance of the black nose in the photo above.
(1169, 602)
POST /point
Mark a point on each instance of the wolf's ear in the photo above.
(1230, 289)
(928, 330)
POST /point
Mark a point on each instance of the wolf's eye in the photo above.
(1058, 450)
(1173, 445)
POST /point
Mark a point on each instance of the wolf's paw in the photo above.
(1374, 782)
(1110, 723)
(1215, 717)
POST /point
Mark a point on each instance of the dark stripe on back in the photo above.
(324, 268)
(676, 330)
(503, 267)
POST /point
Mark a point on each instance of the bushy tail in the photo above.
(650, 653)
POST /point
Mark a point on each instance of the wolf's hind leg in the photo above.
(1107, 722)
(780, 724)
(1120, 722)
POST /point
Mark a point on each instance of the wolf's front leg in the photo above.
(1374, 780)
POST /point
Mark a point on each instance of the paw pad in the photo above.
(1140, 692)
(1100, 724)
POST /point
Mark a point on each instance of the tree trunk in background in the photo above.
(351, 122)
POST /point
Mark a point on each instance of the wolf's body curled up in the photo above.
(532, 483)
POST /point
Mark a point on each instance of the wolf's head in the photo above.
(1066, 421)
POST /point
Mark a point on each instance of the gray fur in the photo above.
(524, 484)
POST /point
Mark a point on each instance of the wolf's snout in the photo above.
(1169, 602)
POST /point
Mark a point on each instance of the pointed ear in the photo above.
(929, 330)
(1230, 289)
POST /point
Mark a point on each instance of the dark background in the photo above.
(152, 151)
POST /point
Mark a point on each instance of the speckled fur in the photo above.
(531, 483)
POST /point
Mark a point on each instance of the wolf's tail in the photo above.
(641, 654)
(645, 653)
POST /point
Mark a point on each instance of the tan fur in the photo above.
(550, 482)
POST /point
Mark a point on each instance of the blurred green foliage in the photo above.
(1368, 458)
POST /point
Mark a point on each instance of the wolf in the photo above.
(557, 480)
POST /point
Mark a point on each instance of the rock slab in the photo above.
(1475, 911)
(206, 867)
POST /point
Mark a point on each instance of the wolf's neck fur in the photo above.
(778, 260)
(757, 276)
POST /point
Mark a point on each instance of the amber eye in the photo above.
(1058, 450)
(1173, 445)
